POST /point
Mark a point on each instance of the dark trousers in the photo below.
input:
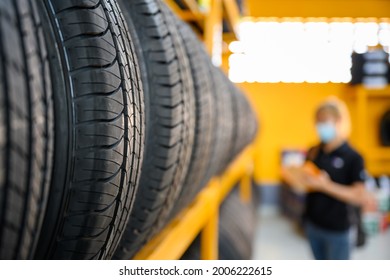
(327, 244)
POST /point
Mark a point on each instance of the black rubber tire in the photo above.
(237, 224)
(223, 133)
(170, 118)
(252, 121)
(246, 122)
(249, 119)
(99, 129)
(26, 125)
(238, 125)
(236, 122)
(237, 228)
(197, 175)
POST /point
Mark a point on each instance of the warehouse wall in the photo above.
(319, 8)
(286, 110)
(286, 113)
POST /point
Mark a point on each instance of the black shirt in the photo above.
(344, 166)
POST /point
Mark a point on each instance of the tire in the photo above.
(237, 224)
(237, 228)
(197, 175)
(26, 124)
(99, 123)
(236, 122)
(253, 123)
(249, 119)
(223, 144)
(170, 118)
(246, 122)
(238, 125)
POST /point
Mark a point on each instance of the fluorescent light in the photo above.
(297, 51)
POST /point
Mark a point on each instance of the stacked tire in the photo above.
(73, 116)
(26, 123)
(113, 120)
(170, 118)
(236, 233)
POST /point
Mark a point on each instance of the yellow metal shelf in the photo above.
(359, 90)
(379, 93)
(209, 21)
(201, 216)
(362, 100)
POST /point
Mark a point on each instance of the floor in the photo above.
(279, 239)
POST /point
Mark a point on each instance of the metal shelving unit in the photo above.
(362, 101)
(201, 217)
(209, 21)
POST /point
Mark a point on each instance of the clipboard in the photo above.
(294, 175)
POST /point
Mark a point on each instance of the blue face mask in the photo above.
(326, 131)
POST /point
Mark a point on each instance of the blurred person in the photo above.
(337, 189)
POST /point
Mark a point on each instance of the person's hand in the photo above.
(317, 182)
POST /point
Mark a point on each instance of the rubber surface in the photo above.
(237, 223)
(170, 118)
(198, 176)
(237, 227)
(26, 125)
(99, 129)
(224, 131)
(245, 121)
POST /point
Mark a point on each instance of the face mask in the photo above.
(326, 131)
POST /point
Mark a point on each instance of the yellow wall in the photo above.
(286, 110)
(286, 113)
(319, 8)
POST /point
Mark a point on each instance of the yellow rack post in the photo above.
(209, 21)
